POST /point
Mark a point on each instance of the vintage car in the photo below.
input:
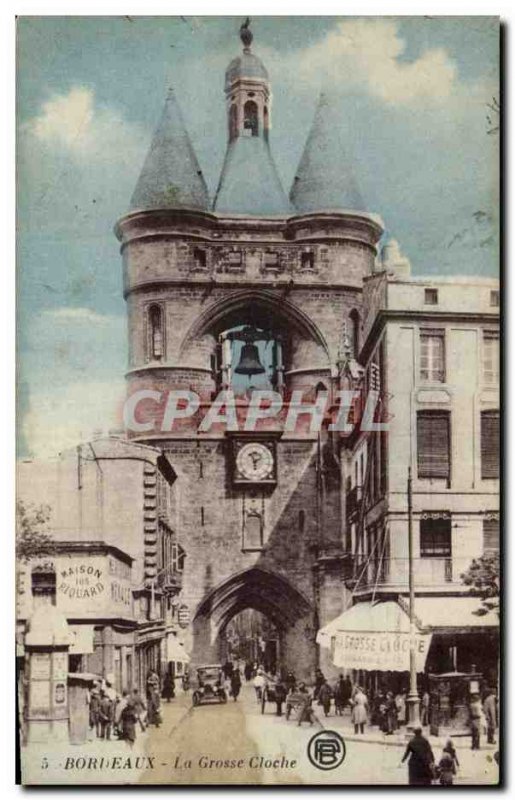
(210, 685)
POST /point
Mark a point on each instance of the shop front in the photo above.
(370, 642)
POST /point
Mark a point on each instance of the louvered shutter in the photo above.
(491, 536)
(433, 444)
(489, 444)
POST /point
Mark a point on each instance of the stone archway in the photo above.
(272, 595)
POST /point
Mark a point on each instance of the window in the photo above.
(491, 357)
(494, 298)
(250, 119)
(433, 444)
(431, 297)
(307, 260)
(271, 260)
(178, 557)
(489, 444)
(432, 356)
(355, 331)
(435, 538)
(199, 256)
(155, 319)
(490, 536)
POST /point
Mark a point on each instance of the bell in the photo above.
(249, 361)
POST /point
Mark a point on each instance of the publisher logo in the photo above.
(326, 750)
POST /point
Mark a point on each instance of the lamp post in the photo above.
(412, 700)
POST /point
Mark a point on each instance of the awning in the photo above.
(439, 614)
(175, 650)
(374, 636)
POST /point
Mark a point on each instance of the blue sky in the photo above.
(412, 95)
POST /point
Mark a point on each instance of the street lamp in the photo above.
(412, 700)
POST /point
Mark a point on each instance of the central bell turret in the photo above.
(249, 183)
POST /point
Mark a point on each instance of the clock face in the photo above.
(255, 461)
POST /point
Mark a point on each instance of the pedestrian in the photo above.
(94, 708)
(424, 708)
(319, 681)
(390, 714)
(448, 764)
(359, 713)
(325, 695)
(306, 713)
(168, 687)
(291, 681)
(490, 711)
(129, 717)
(259, 684)
(140, 708)
(153, 708)
(153, 682)
(421, 760)
(248, 671)
(339, 696)
(476, 717)
(235, 684)
(347, 691)
(118, 712)
(186, 681)
(280, 696)
(106, 715)
(400, 706)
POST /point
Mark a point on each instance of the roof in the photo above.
(171, 176)
(249, 183)
(324, 179)
(245, 66)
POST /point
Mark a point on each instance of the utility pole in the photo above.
(412, 700)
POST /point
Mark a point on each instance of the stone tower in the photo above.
(282, 278)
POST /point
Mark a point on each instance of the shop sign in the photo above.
(380, 651)
(81, 581)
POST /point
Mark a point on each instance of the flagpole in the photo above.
(412, 700)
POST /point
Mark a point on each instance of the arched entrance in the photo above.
(288, 610)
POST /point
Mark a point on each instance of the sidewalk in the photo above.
(399, 739)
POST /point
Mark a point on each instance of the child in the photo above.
(447, 764)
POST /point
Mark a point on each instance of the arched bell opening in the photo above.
(257, 340)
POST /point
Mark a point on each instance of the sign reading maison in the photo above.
(81, 581)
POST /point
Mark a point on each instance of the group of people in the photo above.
(423, 769)
(112, 715)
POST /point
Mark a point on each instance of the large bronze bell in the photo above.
(249, 363)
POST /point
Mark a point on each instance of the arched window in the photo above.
(233, 122)
(156, 339)
(266, 122)
(355, 332)
(250, 119)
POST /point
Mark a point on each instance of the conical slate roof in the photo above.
(249, 183)
(171, 176)
(324, 180)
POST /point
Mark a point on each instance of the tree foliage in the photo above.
(483, 578)
(32, 539)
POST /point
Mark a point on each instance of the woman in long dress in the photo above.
(359, 714)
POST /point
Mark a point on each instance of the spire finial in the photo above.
(246, 35)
